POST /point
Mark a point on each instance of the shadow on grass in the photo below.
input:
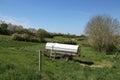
(76, 60)
(84, 62)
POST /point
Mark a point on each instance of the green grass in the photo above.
(19, 61)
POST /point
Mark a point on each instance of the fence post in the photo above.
(40, 61)
(51, 52)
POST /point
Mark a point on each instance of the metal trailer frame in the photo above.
(64, 54)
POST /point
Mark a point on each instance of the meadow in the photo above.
(19, 61)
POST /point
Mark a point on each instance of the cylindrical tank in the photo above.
(62, 48)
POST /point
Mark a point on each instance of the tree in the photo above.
(102, 32)
(15, 28)
(11, 28)
(25, 31)
(41, 34)
(32, 30)
(19, 29)
(3, 28)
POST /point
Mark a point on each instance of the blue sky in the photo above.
(64, 16)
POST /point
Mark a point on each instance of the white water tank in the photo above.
(62, 48)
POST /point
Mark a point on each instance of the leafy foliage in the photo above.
(41, 34)
(3, 29)
(24, 37)
(101, 32)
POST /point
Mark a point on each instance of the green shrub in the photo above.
(34, 39)
(25, 37)
(70, 42)
(16, 36)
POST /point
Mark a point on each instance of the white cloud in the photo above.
(18, 21)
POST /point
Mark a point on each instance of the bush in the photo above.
(70, 42)
(101, 32)
(42, 34)
(25, 37)
(34, 39)
(15, 36)
(66, 42)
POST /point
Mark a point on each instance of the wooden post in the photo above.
(40, 61)
(51, 52)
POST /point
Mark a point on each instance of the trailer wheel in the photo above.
(68, 57)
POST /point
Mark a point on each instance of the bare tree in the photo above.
(32, 30)
(11, 27)
(15, 28)
(19, 28)
(103, 33)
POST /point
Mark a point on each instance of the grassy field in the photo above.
(19, 61)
